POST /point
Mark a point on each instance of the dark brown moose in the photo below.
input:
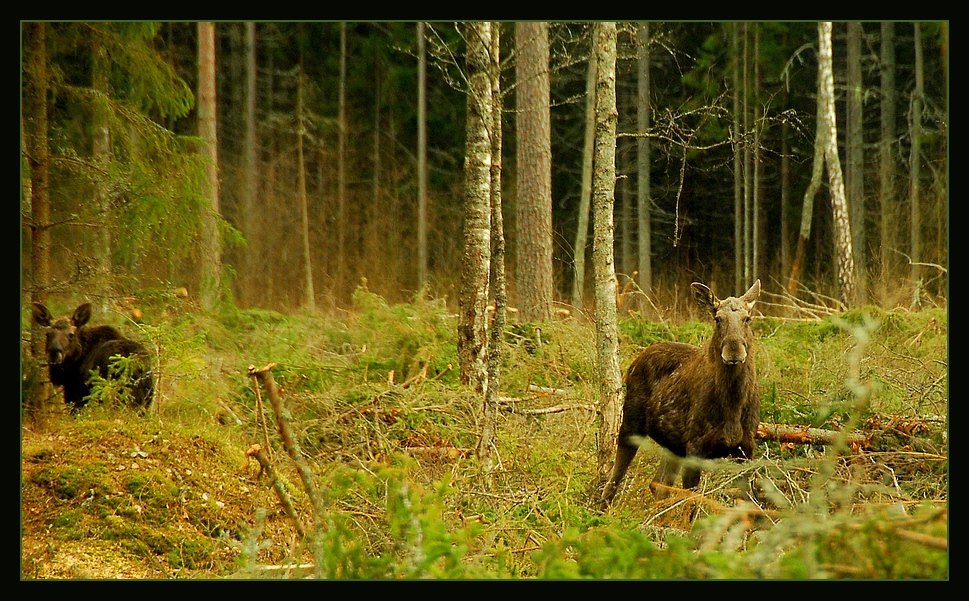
(74, 349)
(696, 402)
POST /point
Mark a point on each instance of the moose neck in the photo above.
(731, 379)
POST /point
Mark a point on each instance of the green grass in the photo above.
(402, 495)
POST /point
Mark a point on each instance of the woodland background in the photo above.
(321, 172)
(332, 201)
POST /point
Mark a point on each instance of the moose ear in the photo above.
(704, 297)
(752, 294)
(41, 315)
(81, 315)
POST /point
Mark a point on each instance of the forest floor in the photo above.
(380, 417)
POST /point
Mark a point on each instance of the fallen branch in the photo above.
(808, 435)
(556, 409)
(546, 390)
(924, 539)
(438, 452)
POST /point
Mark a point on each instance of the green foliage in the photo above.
(402, 497)
(116, 389)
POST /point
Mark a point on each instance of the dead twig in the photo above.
(265, 377)
(265, 465)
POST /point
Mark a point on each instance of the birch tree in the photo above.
(473, 300)
(826, 153)
(603, 200)
(497, 271)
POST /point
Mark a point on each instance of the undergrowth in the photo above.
(374, 405)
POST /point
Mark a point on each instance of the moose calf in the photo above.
(74, 349)
(695, 402)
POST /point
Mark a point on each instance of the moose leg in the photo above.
(624, 456)
(691, 477)
(669, 467)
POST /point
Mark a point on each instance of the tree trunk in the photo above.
(747, 145)
(533, 275)
(100, 73)
(211, 252)
(643, 196)
(886, 152)
(495, 339)
(421, 157)
(915, 225)
(855, 158)
(737, 141)
(473, 300)
(585, 194)
(250, 143)
(785, 183)
(604, 183)
(36, 150)
(309, 296)
(341, 224)
(842, 228)
(757, 133)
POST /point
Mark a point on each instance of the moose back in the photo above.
(694, 401)
(75, 349)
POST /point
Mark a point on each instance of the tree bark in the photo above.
(914, 174)
(497, 282)
(101, 153)
(309, 296)
(604, 182)
(585, 194)
(211, 252)
(842, 228)
(826, 153)
(422, 261)
(476, 262)
(747, 147)
(342, 224)
(533, 275)
(737, 141)
(250, 143)
(855, 185)
(886, 152)
(37, 154)
(643, 195)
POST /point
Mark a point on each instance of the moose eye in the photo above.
(747, 319)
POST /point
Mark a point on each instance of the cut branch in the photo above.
(265, 377)
(278, 485)
(556, 409)
(808, 435)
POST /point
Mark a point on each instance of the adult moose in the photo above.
(75, 349)
(694, 401)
